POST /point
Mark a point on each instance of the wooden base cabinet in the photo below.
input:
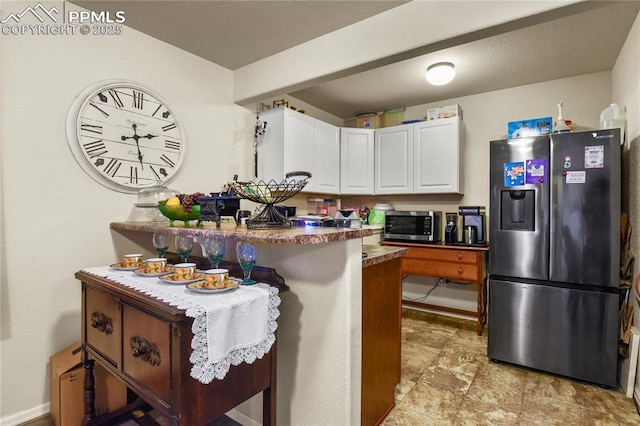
(381, 334)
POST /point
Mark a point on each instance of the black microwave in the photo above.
(412, 226)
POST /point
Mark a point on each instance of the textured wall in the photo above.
(55, 219)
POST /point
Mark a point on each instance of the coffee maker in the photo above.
(473, 217)
(451, 229)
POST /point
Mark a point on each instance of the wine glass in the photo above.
(214, 249)
(246, 254)
(184, 246)
(161, 243)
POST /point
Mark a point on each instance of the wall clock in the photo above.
(125, 136)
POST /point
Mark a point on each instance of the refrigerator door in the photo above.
(585, 208)
(561, 330)
(519, 208)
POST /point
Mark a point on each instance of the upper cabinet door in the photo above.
(356, 161)
(438, 156)
(327, 158)
(299, 145)
(393, 160)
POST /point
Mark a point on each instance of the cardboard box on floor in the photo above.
(67, 388)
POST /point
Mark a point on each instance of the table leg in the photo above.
(269, 394)
(89, 391)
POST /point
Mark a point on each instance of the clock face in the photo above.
(125, 136)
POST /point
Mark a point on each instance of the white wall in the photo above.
(55, 218)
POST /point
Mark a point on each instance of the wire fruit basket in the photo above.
(269, 194)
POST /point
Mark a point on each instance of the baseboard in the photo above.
(25, 416)
(242, 418)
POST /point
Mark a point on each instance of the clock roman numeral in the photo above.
(112, 167)
(133, 175)
(91, 128)
(95, 149)
(167, 160)
(169, 127)
(172, 144)
(98, 108)
(116, 98)
(157, 109)
(138, 99)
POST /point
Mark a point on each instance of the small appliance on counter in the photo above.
(473, 225)
(412, 226)
(349, 215)
(451, 229)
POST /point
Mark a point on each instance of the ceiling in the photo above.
(583, 39)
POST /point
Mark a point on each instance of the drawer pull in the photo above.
(460, 256)
(145, 350)
(101, 322)
(460, 271)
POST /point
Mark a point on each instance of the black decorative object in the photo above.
(217, 205)
(270, 193)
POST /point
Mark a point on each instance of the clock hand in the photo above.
(135, 137)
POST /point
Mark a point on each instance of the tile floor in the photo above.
(447, 379)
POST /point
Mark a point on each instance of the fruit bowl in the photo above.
(179, 213)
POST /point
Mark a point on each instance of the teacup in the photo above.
(132, 260)
(216, 278)
(184, 271)
(155, 265)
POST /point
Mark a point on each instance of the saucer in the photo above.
(199, 287)
(121, 267)
(168, 279)
(166, 270)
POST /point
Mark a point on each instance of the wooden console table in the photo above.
(453, 262)
(146, 343)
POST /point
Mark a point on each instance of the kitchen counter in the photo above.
(380, 254)
(320, 328)
(293, 235)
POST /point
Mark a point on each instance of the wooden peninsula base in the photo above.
(381, 337)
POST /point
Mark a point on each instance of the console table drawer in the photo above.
(460, 256)
(146, 347)
(453, 271)
(102, 324)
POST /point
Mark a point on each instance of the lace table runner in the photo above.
(228, 328)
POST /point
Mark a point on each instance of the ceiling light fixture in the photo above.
(441, 73)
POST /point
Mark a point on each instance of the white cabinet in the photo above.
(356, 161)
(420, 158)
(297, 142)
(327, 158)
(393, 161)
(438, 155)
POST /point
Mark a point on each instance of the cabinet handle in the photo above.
(145, 350)
(460, 256)
(101, 322)
(460, 271)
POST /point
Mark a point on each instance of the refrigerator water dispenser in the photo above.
(517, 210)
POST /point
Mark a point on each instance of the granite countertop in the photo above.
(293, 235)
(380, 254)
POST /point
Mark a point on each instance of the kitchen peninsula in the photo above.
(320, 330)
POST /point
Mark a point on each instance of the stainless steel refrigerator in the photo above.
(554, 254)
